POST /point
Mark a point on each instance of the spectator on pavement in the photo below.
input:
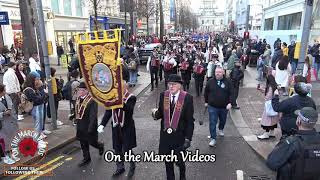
(267, 55)
(295, 157)
(9, 125)
(32, 91)
(2, 63)
(260, 68)
(291, 104)
(231, 61)
(34, 63)
(316, 54)
(285, 49)
(283, 74)
(133, 68)
(12, 84)
(236, 76)
(277, 55)
(20, 73)
(55, 85)
(60, 52)
(269, 123)
(307, 69)
(292, 60)
(217, 96)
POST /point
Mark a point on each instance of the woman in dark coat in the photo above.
(8, 120)
(123, 130)
(87, 123)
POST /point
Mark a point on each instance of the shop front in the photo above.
(65, 29)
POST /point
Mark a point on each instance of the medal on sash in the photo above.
(171, 122)
(81, 107)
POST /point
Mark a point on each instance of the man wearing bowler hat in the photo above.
(177, 123)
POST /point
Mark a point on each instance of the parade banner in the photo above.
(99, 59)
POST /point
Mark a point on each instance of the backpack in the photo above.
(132, 65)
(25, 104)
(67, 90)
(60, 83)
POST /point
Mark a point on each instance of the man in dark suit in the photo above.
(87, 123)
(177, 123)
(123, 130)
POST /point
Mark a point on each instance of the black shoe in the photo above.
(118, 172)
(101, 150)
(84, 162)
(131, 171)
(235, 107)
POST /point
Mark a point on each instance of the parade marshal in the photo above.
(177, 123)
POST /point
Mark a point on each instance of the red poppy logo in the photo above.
(28, 147)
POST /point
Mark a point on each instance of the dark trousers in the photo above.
(199, 85)
(170, 168)
(154, 77)
(119, 151)
(56, 105)
(235, 94)
(85, 147)
(160, 72)
(15, 101)
(186, 80)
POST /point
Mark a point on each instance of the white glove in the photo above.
(100, 129)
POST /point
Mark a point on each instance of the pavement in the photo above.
(251, 102)
(65, 134)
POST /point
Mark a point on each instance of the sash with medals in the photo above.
(155, 62)
(185, 65)
(118, 114)
(81, 106)
(171, 122)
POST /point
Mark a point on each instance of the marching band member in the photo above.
(153, 66)
(169, 66)
(199, 72)
(177, 124)
(186, 69)
(87, 123)
(123, 130)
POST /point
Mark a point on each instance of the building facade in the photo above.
(210, 20)
(285, 20)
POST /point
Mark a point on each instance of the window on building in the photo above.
(268, 24)
(202, 21)
(78, 8)
(290, 21)
(67, 7)
(213, 22)
(55, 6)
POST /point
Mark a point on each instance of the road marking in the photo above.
(48, 170)
(69, 159)
(41, 167)
(239, 175)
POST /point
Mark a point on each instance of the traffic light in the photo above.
(246, 35)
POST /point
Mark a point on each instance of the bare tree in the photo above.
(186, 18)
(97, 6)
(146, 9)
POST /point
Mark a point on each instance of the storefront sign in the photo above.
(68, 25)
(4, 18)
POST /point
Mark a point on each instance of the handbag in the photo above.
(269, 109)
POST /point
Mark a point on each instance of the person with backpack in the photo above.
(56, 90)
(297, 157)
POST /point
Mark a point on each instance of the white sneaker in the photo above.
(220, 133)
(20, 116)
(59, 123)
(265, 135)
(46, 132)
(8, 160)
(20, 119)
(212, 142)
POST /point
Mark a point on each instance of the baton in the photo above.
(204, 112)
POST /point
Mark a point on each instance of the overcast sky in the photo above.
(195, 5)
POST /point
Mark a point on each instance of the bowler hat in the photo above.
(82, 85)
(175, 78)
